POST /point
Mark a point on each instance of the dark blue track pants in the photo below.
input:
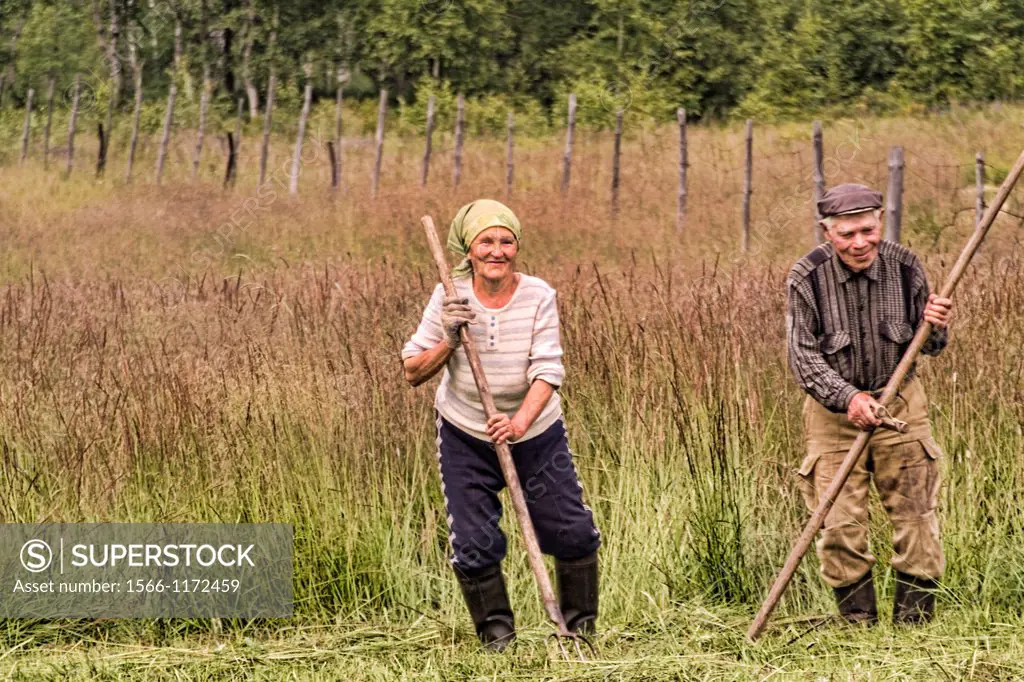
(471, 480)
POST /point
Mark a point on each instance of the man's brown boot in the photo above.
(915, 600)
(857, 601)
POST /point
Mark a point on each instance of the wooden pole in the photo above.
(748, 181)
(268, 121)
(166, 137)
(460, 124)
(683, 165)
(382, 108)
(819, 179)
(504, 452)
(429, 141)
(307, 99)
(509, 161)
(106, 130)
(101, 156)
(828, 498)
(239, 122)
(136, 115)
(230, 171)
(26, 134)
(234, 144)
(979, 181)
(569, 135)
(894, 202)
(73, 121)
(336, 153)
(615, 164)
(204, 101)
(334, 165)
(49, 121)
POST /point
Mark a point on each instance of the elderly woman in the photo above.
(513, 321)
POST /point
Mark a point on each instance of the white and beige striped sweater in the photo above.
(518, 344)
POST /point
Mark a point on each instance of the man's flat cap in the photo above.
(848, 198)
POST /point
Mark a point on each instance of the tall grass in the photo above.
(159, 366)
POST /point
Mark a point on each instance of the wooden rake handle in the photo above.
(803, 543)
(508, 467)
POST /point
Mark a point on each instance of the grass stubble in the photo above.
(185, 354)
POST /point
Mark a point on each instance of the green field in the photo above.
(164, 358)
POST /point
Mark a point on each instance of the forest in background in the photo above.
(719, 59)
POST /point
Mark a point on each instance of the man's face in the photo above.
(855, 238)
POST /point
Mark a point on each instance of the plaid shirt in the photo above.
(846, 330)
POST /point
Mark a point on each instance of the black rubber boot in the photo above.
(857, 601)
(915, 600)
(485, 595)
(577, 592)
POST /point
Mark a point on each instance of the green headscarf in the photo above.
(470, 221)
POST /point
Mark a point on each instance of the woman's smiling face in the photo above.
(493, 253)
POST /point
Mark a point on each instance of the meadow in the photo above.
(185, 353)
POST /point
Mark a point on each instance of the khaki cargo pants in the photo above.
(906, 475)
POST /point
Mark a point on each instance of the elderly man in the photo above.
(854, 304)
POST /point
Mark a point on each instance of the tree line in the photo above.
(717, 58)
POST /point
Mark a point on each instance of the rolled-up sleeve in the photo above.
(429, 332)
(546, 346)
(812, 372)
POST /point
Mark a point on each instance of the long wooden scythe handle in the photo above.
(508, 468)
(803, 543)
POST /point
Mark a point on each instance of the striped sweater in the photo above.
(518, 343)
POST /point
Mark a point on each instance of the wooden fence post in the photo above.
(26, 134)
(307, 99)
(204, 101)
(894, 202)
(166, 137)
(73, 121)
(107, 128)
(101, 155)
(234, 144)
(336, 152)
(268, 121)
(979, 180)
(683, 165)
(509, 163)
(748, 182)
(229, 173)
(334, 165)
(569, 135)
(460, 123)
(615, 164)
(136, 115)
(379, 139)
(239, 114)
(429, 141)
(49, 120)
(819, 178)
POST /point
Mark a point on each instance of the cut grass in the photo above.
(690, 642)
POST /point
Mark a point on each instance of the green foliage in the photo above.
(486, 114)
(718, 58)
(56, 40)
